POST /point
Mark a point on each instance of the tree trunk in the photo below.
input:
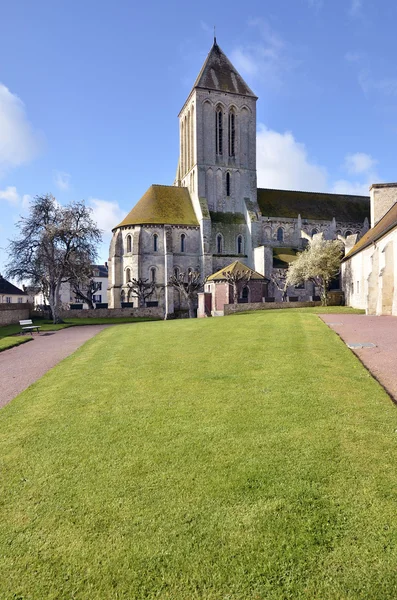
(190, 304)
(235, 293)
(53, 299)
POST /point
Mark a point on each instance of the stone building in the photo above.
(214, 213)
(369, 269)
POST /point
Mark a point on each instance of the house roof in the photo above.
(162, 204)
(235, 267)
(218, 73)
(386, 224)
(8, 288)
(101, 269)
(313, 205)
(283, 257)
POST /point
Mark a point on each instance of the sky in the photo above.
(90, 92)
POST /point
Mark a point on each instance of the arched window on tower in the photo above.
(183, 242)
(240, 245)
(232, 133)
(153, 274)
(127, 275)
(228, 184)
(280, 234)
(314, 231)
(219, 243)
(155, 242)
(128, 243)
(219, 131)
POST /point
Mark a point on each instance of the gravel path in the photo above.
(23, 365)
(380, 359)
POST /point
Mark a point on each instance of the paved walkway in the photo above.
(374, 340)
(23, 365)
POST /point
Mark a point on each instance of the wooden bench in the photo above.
(27, 325)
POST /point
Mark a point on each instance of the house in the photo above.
(214, 213)
(369, 269)
(10, 294)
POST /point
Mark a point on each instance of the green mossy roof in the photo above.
(227, 218)
(282, 257)
(162, 204)
(312, 205)
(236, 266)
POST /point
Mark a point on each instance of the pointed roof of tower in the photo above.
(218, 73)
(162, 204)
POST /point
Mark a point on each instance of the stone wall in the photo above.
(102, 313)
(230, 309)
(13, 313)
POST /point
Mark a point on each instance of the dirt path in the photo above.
(23, 365)
(379, 338)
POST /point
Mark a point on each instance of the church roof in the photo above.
(218, 73)
(162, 204)
(8, 288)
(313, 205)
(386, 224)
(235, 267)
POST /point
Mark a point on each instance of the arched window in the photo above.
(155, 242)
(338, 232)
(348, 233)
(314, 231)
(245, 293)
(232, 133)
(153, 274)
(280, 234)
(176, 272)
(127, 275)
(128, 243)
(219, 243)
(219, 131)
(183, 242)
(228, 184)
(240, 245)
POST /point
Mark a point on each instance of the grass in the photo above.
(240, 458)
(9, 342)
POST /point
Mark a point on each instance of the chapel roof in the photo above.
(386, 224)
(218, 73)
(8, 288)
(234, 267)
(313, 205)
(162, 204)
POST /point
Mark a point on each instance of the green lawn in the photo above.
(9, 342)
(237, 458)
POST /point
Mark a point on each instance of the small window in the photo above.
(219, 244)
(314, 231)
(227, 184)
(20, 300)
(176, 272)
(128, 243)
(153, 274)
(232, 133)
(240, 246)
(245, 293)
(99, 285)
(280, 234)
(358, 287)
(127, 275)
(97, 298)
(352, 288)
(338, 232)
(219, 131)
(183, 242)
(348, 233)
(8, 300)
(155, 242)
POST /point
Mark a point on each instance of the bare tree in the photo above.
(319, 263)
(189, 284)
(86, 291)
(234, 278)
(55, 244)
(279, 279)
(141, 289)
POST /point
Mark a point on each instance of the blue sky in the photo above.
(90, 92)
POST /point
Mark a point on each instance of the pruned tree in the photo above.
(55, 245)
(234, 278)
(189, 284)
(319, 263)
(141, 289)
(279, 279)
(86, 291)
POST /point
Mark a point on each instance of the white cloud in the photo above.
(62, 180)
(10, 195)
(19, 143)
(356, 188)
(266, 59)
(283, 163)
(26, 199)
(360, 162)
(106, 214)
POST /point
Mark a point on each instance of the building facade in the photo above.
(214, 213)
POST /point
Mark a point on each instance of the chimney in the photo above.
(383, 196)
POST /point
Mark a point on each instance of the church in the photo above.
(214, 213)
